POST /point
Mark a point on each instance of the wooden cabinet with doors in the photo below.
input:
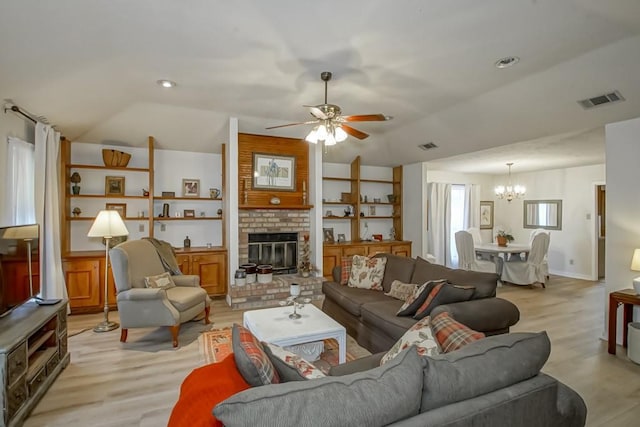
(208, 263)
(84, 277)
(333, 252)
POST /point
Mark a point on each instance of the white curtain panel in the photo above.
(47, 151)
(471, 206)
(439, 220)
(20, 202)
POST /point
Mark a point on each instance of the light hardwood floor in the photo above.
(137, 384)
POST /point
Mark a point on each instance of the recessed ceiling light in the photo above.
(507, 61)
(166, 83)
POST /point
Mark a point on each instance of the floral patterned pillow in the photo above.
(293, 363)
(419, 335)
(162, 281)
(367, 273)
(400, 290)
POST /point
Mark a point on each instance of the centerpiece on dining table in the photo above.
(503, 238)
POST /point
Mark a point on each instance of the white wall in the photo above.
(414, 201)
(623, 208)
(10, 125)
(571, 249)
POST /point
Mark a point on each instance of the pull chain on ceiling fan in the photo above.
(330, 124)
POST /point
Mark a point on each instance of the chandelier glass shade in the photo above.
(326, 133)
(510, 191)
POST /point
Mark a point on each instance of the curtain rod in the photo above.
(17, 110)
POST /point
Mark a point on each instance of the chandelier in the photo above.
(511, 191)
(326, 132)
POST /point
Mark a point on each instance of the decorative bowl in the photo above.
(115, 158)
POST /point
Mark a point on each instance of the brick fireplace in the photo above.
(268, 221)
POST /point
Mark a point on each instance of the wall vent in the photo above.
(599, 100)
(427, 146)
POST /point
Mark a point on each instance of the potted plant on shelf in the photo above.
(503, 237)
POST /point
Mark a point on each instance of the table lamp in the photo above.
(635, 266)
(107, 224)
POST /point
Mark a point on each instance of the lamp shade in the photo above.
(635, 261)
(108, 224)
(21, 232)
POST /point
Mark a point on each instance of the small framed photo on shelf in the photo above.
(341, 238)
(121, 208)
(328, 235)
(190, 187)
(190, 213)
(114, 186)
(372, 211)
(168, 194)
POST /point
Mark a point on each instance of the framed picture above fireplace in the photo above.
(272, 172)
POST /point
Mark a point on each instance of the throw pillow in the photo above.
(376, 397)
(420, 336)
(290, 366)
(444, 293)
(400, 290)
(450, 334)
(345, 270)
(416, 299)
(367, 273)
(252, 361)
(161, 281)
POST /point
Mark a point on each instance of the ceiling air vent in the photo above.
(427, 146)
(597, 101)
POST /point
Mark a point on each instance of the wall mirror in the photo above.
(545, 214)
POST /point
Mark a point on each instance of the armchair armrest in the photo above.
(483, 315)
(142, 294)
(190, 280)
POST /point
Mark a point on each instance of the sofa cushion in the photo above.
(420, 336)
(160, 281)
(418, 298)
(367, 273)
(443, 293)
(345, 269)
(184, 298)
(397, 268)
(481, 367)
(378, 396)
(252, 361)
(450, 334)
(350, 299)
(381, 316)
(485, 283)
(400, 290)
(290, 366)
(202, 389)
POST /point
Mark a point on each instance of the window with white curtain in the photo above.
(457, 218)
(20, 181)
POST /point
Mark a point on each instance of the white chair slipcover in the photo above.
(530, 271)
(467, 255)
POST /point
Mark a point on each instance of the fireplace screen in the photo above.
(278, 249)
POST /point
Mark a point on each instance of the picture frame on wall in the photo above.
(121, 208)
(271, 172)
(190, 187)
(486, 215)
(114, 186)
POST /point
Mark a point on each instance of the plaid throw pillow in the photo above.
(253, 363)
(345, 270)
(452, 335)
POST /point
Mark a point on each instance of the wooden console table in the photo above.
(628, 298)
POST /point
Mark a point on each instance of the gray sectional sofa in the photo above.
(370, 316)
(495, 381)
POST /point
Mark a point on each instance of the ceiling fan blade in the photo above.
(316, 112)
(293, 124)
(367, 118)
(354, 132)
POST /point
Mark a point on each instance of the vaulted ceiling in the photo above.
(90, 67)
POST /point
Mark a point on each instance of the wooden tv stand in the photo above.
(33, 352)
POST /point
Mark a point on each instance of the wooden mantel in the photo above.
(248, 144)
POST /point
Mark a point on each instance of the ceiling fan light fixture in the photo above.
(340, 134)
(312, 137)
(330, 140)
(321, 132)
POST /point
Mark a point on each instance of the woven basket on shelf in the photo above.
(115, 158)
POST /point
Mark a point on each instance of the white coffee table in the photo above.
(274, 326)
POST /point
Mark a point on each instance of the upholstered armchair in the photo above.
(140, 306)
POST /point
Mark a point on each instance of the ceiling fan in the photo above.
(331, 125)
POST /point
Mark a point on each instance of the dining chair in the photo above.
(531, 271)
(467, 259)
(475, 233)
(545, 263)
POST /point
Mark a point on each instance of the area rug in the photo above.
(215, 345)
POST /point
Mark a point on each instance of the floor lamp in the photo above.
(108, 224)
(26, 233)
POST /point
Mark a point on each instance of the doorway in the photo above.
(601, 232)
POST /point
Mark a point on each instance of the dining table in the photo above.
(493, 252)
